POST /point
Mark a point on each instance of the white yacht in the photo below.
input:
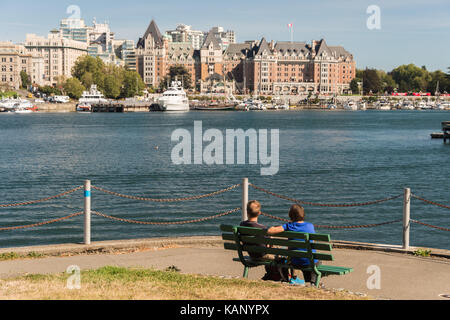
(174, 99)
(9, 103)
(92, 96)
(351, 105)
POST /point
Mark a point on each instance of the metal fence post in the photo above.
(87, 212)
(244, 199)
(406, 218)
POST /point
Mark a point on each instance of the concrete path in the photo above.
(403, 277)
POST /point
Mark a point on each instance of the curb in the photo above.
(204, 241)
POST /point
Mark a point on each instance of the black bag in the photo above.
(277, 273)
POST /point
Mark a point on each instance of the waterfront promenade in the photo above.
(403, 276)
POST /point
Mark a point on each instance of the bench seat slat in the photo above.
(331, 270)
(288, 234)
(279, 242)
(281, 252)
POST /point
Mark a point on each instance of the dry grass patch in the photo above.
(112, 283)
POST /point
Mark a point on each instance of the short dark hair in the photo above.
(253, 209)
(297, 213)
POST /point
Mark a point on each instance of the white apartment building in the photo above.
(59, 54)
(184, 34)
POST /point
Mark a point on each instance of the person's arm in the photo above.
(275, 230)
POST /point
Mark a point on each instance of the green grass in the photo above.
(116, 283)
(422, 253)
(15, 256)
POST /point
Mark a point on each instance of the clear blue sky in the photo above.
(412, 31)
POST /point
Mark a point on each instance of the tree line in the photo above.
(405, 78)
(113, 81)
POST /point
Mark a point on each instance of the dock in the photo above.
(445, 134)
(123, 106)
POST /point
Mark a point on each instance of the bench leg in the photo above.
(318, 278)
(246, 272)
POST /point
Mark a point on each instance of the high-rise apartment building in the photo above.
(185, 34)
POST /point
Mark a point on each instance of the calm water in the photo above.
(328, 157)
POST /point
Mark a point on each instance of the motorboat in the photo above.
(351, 106)
(93, 96)
(174, 98)
(84, 108)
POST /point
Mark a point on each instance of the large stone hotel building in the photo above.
(258, 67)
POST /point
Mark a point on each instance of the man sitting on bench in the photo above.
(298, 224)
(253, 213)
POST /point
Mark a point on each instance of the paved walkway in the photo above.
(403, 276)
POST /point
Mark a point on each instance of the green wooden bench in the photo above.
(243, 239)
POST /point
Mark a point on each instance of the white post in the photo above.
(87, 212)
(244, 199)
(406, 218)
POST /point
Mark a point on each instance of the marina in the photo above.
(357, 157)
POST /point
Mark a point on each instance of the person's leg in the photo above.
(311, 276)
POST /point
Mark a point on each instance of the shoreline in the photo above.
(105, 247)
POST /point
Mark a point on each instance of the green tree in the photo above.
(177, 73)
(48, 90)
(132, 84)
(90, 70)
(387, 82)
(354, 85)
(74, 88)
(25, 79)
(112, 86)
(372, 81)
(411, 78)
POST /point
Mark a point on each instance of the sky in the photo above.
(411, 31)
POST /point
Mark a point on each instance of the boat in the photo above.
(424, 106)
(384, 105)
(351, 106)
(174, 99)
(362, 107)
(332, 107)
(93, 96)
(443, 106)
(226, 108)
(284, 107)
(84, 108)
(407, 106)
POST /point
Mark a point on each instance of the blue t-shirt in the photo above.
(305, 227)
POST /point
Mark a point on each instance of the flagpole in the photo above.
(291, 27)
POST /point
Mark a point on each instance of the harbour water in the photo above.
(326, 157)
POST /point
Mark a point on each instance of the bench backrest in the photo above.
(244, 239)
